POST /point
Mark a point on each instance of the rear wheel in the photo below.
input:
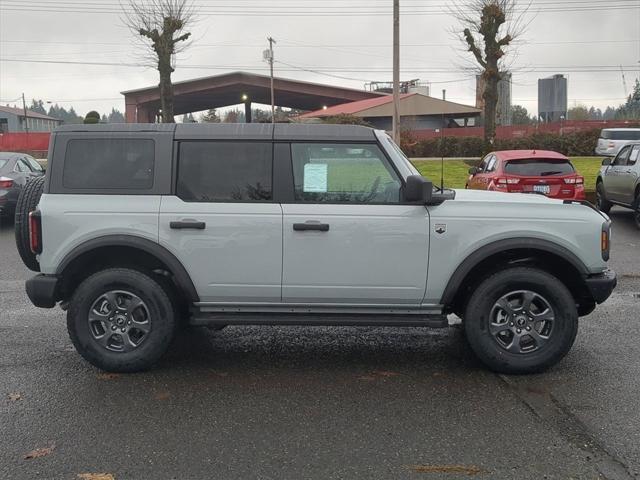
(521, 320)
(601, 199)
(121, 320)
(27, 202)
(636, 210)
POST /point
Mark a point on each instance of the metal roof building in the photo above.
(417, 112)
(12, 120)
(143, 105)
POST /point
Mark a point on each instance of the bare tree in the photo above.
(489, 28)
(162, 25)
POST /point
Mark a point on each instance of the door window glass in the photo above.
(21, 166)
(35, 166)
(343, 173)
(623, 156)
(633, 156)
(491, 166)
(225, 172)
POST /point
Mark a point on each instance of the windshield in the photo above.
(539, 167)
(621, 134)
(403, 157)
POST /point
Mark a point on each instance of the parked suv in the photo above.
(141, 227)
(613, 139)
(618, 181)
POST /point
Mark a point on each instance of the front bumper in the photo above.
(601, 286)
(42, 290)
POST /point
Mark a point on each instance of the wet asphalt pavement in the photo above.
(326, 403)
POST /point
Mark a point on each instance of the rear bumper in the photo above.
(42, 290)
(601, 286)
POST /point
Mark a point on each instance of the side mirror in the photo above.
(606, 162)
(474, 171)
(418, 190)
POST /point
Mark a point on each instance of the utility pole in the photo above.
(396, 72)
(26, 119)
(273, 102)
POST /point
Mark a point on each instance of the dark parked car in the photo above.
(16, 169)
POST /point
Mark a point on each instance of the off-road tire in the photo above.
(482, 303)
(636, 210)
(602, 203)
(156, 299)
(27, 202)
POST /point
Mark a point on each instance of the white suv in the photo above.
(141, 227)
(613, 139)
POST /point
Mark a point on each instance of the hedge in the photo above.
(578, 144)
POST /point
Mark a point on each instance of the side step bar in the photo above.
(206, 319)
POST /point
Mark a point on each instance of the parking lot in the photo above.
(292, 403)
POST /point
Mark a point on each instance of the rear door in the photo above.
(222, 222)
(348, 239)
(480, 181)
(613, 177)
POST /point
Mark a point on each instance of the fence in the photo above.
(521, 131)
(36, 143)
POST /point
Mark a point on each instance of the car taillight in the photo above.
(508, 181)
(605, 241)
(35, 232)
(574, 181)
(6, 182)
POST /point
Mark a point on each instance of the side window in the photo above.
(343, 173)
(623, 156)
(483, 165)
(35, 166)
(225, 172)
(491, 166)
(633, 156)
(109, 163)
(22, 166)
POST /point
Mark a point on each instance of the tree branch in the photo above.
(473, 48)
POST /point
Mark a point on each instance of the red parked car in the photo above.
(528, 171)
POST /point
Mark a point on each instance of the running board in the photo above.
(206, 319)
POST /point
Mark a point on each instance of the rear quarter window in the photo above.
(109, 164)
(621, 134)
(3, 163)
(539, 167)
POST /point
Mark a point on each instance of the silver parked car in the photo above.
(613, 139)
(619, 181)
(137, 228)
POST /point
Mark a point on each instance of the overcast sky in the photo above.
(588, 40)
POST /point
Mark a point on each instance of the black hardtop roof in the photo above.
(231, 131)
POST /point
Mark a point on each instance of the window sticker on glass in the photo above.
(315, 177)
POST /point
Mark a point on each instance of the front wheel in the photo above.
(121, 320)
(521, 320)
(601, 199)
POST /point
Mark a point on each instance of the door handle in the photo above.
(187, 225)
(303, 227)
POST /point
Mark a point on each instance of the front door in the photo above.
(222, 223)
(348, 239)
(613, 177)
(629, 177)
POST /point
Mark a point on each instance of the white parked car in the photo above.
(613, 139)
(137, 228)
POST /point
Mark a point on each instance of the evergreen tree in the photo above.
(210, 117)
(116, 116)
(631, 109)
(520, 115)
(37, 106)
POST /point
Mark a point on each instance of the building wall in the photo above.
(15, 123)
(422, 122)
